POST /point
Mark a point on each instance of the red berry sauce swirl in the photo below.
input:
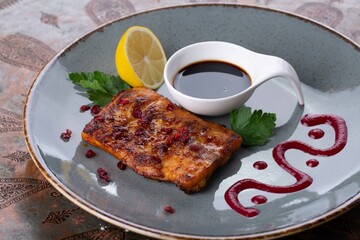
(302, 179)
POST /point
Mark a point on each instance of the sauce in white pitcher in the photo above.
(211, 79)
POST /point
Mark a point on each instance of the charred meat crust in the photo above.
(161, 141)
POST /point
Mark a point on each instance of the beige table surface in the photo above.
(31, 32)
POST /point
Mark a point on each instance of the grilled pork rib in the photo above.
(159, 140)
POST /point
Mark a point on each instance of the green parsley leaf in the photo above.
(100, 87)
(255, 128)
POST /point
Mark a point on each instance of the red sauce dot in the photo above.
(260, 165)
(316, 133)
(259, 199)
(167, 130)
(312, 163)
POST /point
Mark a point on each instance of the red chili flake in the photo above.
(139, 132)
(84, 108)
(183, 130)
(167, 130)
(136, 113)
(118, 135)
(156, 160)
(123, 101)
(170, 140)
(90, 153)
(184, 139)
(66, 135)
(95, 109)
(177, 136)
(169, 209)
(170, 107)
(103, 174)
(194, 148)
(121, 165)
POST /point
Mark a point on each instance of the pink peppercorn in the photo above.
(169, 209)
(184, 139)
(121, 165)
(66, 135)
(144, 121)
(177, 136)
(90, 153)
(95, 109)
(84, 108)
(139, 132)
(103, 174)
(170, 107)
(99, 118)
(167, 130)
(136, 113)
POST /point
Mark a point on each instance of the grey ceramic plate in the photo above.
(329, 67)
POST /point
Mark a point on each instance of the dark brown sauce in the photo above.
(211, 79)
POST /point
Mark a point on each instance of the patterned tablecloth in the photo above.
(31, 32)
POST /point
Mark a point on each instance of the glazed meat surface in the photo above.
(161, 141)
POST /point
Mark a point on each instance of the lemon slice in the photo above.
(140, 58)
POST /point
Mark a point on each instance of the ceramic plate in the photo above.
(282, 201)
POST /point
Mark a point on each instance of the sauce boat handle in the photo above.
(272, 67)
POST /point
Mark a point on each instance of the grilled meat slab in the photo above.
(160, 140)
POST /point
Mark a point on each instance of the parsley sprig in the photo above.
(255, 128)
(100, 87)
